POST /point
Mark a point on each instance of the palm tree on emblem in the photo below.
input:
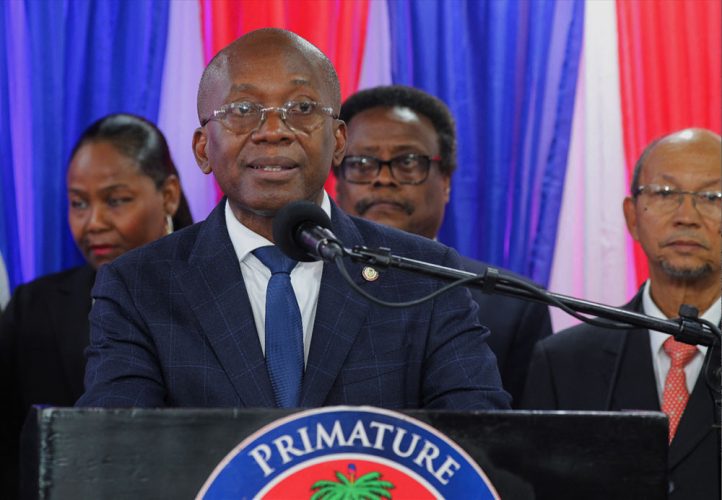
(367, 487)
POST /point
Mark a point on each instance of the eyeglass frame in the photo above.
(262, 110)
(429, 161)
(696, 195)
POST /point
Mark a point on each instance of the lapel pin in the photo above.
(370, 274)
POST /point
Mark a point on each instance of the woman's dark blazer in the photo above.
(43, 333)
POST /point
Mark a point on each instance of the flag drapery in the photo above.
(554, 100)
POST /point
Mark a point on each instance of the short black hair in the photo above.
(141, 141)
(418, 101)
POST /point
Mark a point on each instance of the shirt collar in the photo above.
(245, 241)
(713, 315)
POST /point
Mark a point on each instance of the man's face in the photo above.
(386, 133)
(682, 243)
(266, 168)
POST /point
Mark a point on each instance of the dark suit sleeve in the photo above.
(539, 391)
(12, 413)
(460, 371)
(122, 368)
(534, 325)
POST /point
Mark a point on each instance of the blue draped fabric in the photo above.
(63, 65)
(508, 72)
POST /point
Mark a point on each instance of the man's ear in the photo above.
(340, 149)
(447, 188)
(200, 141)
(630, 216)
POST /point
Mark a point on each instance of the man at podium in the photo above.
(216, 316)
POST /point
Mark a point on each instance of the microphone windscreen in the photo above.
(290, 220)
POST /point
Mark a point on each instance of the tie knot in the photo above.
(275, 260)
(679, 352)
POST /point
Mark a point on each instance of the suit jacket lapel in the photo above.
(340, 315)
(635, 388)
(69, 313)
(213, 285)
(632, 378)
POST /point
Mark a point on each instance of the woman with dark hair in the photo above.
(123, 192)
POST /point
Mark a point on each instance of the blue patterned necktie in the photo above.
(284, 329)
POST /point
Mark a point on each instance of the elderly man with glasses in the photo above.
(675, 213)
(397, 171)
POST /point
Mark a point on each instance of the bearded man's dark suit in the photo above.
(43, 333)
(172, 326)
(592, 368)
(516, 326)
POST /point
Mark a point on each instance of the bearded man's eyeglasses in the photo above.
(243, 117)
(405, 169)
(665, 199)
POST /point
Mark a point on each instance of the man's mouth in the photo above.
(366, 204)
(270, 168)
(272, 164)
(685, 245)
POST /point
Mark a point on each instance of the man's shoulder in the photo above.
(400, 242)
(479, 267)
(585, 337)
(495, 300)
(175, 246)
(581, 340)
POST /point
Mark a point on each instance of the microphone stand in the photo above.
(687, 328)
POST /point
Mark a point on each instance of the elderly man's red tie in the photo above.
(675, 395)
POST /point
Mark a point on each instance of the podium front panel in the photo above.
(169, 453)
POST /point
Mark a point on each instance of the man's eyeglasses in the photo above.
(243, 117)
(406, 169)
(664, 199)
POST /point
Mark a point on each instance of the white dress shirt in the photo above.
(305, 277)
(660, 359)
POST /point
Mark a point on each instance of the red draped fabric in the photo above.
(337, 27)
(670, 58)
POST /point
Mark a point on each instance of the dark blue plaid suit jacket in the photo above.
(172, 326)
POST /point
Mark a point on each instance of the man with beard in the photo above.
(397, 171)
(216, 315)
(674, 212)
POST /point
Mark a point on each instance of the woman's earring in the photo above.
(168, 224)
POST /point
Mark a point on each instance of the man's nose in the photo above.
(686, 211)
(272, 126)
(385, 177)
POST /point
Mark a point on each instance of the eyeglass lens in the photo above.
(664, 199)
(406, 169)
(300, 119)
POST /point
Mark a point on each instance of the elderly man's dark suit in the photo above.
(591, 368)
(43, 333)
(172, 326)
(516, 325)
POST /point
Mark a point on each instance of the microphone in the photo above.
(302, 231)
